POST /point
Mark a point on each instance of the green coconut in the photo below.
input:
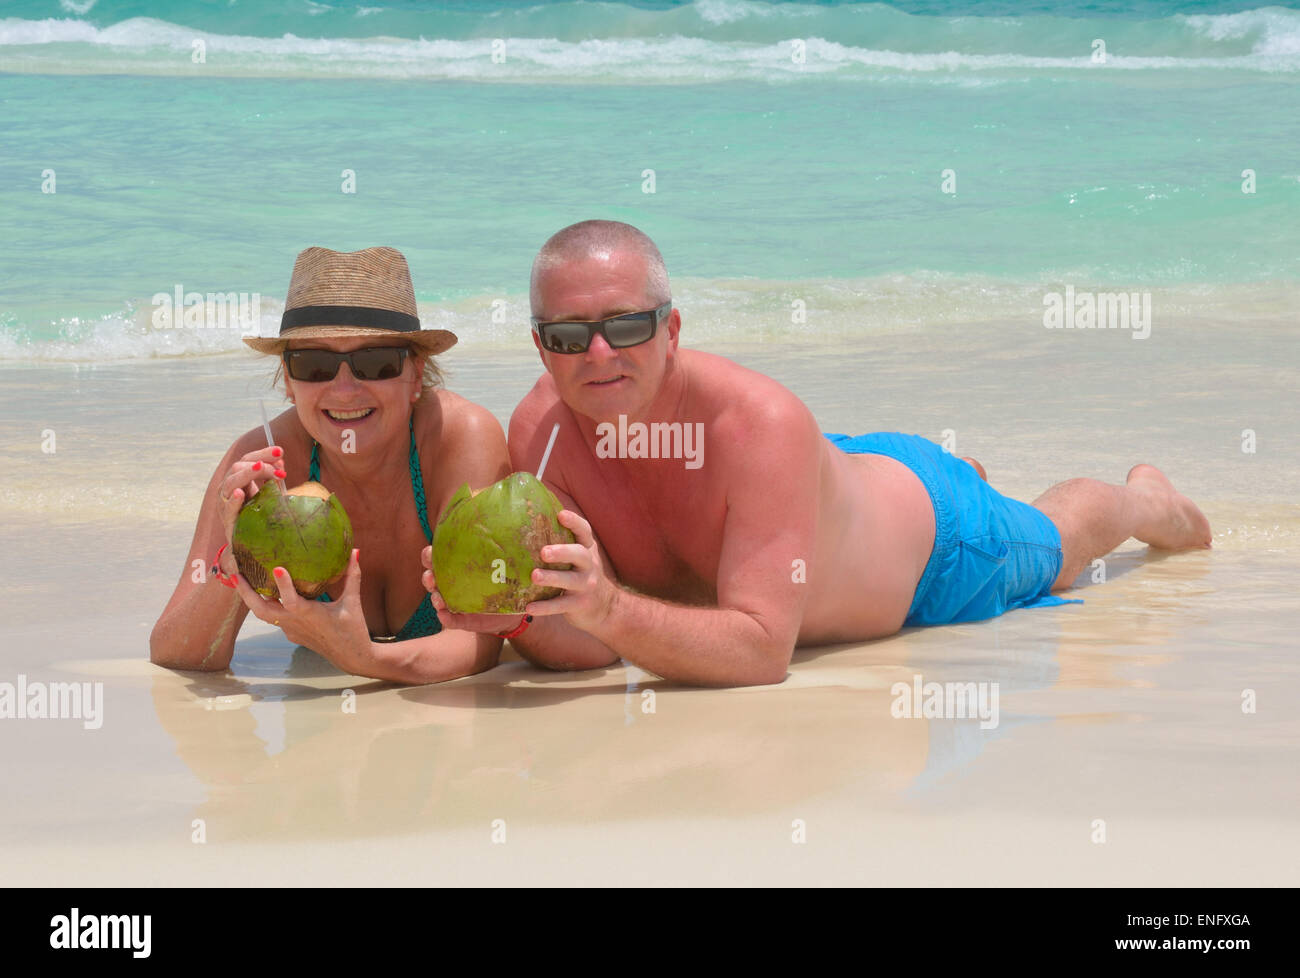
(305, 530)
(488, 541)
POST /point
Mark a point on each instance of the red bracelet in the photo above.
(518, 629)
(227, 579)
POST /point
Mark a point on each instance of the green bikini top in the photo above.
(425, 619)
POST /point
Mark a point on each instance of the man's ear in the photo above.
(674, 327)
(541, 354)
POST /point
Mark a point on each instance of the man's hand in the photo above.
(588, 598)
(590, 595)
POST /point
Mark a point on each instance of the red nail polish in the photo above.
(276, 453)
(257, 466)
(280, 473)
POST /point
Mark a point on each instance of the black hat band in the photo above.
(363, 317)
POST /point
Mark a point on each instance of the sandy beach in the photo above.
(1127, 709)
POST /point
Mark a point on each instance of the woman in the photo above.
(372, 424)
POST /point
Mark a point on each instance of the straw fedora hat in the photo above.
(351, 293)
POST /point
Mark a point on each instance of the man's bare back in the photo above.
(664, 525)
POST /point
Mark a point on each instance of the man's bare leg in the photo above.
(1095, 517)
(974, 463)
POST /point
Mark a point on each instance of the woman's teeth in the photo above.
(348, 415)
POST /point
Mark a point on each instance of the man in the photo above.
(710, 568)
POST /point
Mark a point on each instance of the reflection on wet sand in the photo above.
(521, 743)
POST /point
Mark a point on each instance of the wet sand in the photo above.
(1127, 709)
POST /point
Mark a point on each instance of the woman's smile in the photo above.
(347, 417)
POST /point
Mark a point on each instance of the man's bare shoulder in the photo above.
(540, 399)
(745, 406)
(532, 420)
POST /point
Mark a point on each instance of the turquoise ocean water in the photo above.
(797, 150)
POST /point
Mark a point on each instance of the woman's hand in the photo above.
(242, 481)
(493, 624)
(336, 630)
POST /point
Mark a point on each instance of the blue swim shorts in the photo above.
(991, 553)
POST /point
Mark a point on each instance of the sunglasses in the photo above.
(372, 363)
(630, 329)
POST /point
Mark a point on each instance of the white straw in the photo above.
(547, 456)
(270, 442)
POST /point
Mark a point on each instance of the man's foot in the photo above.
(1171, 520)
(976, 465)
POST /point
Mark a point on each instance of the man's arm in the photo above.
(772, 509)
(550, 642)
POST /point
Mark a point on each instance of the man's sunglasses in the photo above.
(631, 329)
(372, 363)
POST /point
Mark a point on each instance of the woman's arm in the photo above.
(433, 659)
(198, 627)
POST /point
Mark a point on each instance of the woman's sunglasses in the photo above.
(319, 366)
(620, 332)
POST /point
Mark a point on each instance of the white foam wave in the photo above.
(729, 311)
(732, 11)
(147, 46)
(127, 334)
(1275, 31)
(17, 32)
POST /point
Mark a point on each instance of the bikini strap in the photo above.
(417, 483)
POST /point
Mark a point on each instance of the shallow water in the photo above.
(827, 172)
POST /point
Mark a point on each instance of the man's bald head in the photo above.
(598, 240)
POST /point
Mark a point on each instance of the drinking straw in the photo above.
(270, 443)
(546, 457)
